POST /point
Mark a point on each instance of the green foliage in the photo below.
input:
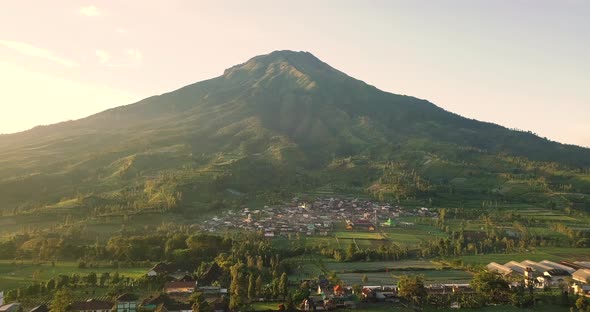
(491, 286)
(278, 124)
(412, 289)
(61, 300)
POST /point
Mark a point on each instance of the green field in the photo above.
(538, 254)
(391, 277)
(18, 275)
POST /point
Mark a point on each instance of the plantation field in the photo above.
(542, 253)
(391, 277)
(312, 267)
(359, 235)
(17, 275)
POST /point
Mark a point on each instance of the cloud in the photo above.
(128, 58)
(134, 54)
(31, 50)
(103, 56)
(90, 11)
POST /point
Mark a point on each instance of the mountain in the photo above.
(277, 125)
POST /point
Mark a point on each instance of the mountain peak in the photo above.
(302, 66)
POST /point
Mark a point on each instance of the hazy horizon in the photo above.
(520, 64)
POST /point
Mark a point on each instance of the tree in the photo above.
(61, 301)
(237, 290)
(350, 251)
(412, 289)
(50, 284)
(259, 286)
(104, 279)
(289, 304)
(283, 284)
(364, 279)
(91, 279)
(251, 287)
(198, 303)
(491, 286)
(581, 303)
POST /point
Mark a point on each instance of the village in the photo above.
(315, 217)
(176, 288)
(180, 287)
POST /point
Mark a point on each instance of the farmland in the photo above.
(391, 277)
(15, 274)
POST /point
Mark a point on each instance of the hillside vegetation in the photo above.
(280, 124)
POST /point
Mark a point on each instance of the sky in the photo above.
(520, 64)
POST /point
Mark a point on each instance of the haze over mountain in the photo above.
(273, 126)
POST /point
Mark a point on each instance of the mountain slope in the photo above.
(280, 123)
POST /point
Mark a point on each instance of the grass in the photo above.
(19, 275)
(264, 306)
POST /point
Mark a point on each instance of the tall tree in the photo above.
(259, 285)
(412, 289)
(491, 286)
(251, 287)
(283, 284)
(61, 300)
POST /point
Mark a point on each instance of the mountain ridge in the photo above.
(276, 124)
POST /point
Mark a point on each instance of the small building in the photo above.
(91, 306)
(583, 264)
(538, 267)
(180, 276)
(554, 277)
(389, 223)
(516, 267)
(174, 307)
(559, 266)
(127, 303)
(500, 269)
(180, 287)
(11, 307)
(583, 290)
(159, 269)
(581, 275)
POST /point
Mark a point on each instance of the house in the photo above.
(127, 303)
(12, 307)
(536, 266)
(91, 305)
(180, 276)
(389, 222)
(41, 308)
(554, 277)
(498, 268)
(159, 269)
(516, 267)
(212, 291)
(211, 275)
(558, 266)
(583, 290)
(180, 287)
(174, 307)
(151, 303)
(581, 275)
(583, 264)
